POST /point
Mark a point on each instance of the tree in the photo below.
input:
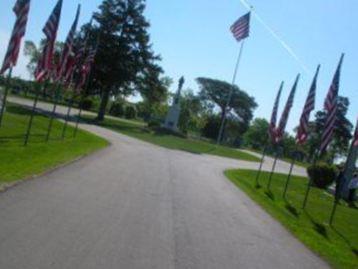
(34, 53)
(125, 59)
(191, 112)
(257, 136)
(216, 92)
(342, 134)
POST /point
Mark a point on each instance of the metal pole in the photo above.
(309, 185)
(333, 213)
(272, 171)
(67, 116)
(7, 86)
(53, 113)
(260, 167)
(29, 126)
(289, 176)
(221, 130)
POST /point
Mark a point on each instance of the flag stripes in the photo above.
(272, 127)
(21, 10)
(355, 138)
(87, 65)
(302, 133)
(68, 47)
(241, 28)
(45, 64)
(286, 112)
(331, 106)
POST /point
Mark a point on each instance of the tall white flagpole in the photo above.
(221, 131)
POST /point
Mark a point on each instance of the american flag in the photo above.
(45, 64)
(21, 9)
(302, 133)
(241, 28)
(69, 70)
(331, 106)
(68, 47)
(355, 138)
(272, 127)
(87, 65)
(286, 112)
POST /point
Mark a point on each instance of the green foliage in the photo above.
(241, 108)
(117, 108)
(154, 124)
(130, 112)
(211, 128)
(125, 60)
(322, 175)
(256, 136)
(90, 103)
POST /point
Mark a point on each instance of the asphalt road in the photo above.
(136, 205)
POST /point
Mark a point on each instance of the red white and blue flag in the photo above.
(331, 106)
(241, 28)
(272, 127)
(45, 65)
(68, 47)
(302, 133)
(87, 66)
(286, 112)
(21, 9)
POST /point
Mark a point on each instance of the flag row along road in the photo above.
(136, 205)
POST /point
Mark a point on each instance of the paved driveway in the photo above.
(136, 205)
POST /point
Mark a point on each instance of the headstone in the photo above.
(172, 119)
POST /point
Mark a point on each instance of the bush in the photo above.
(322, 175)
(130, 112)
(154, 124)
(117, 109)
(87, 103)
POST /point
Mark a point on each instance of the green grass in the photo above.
(138, 130)
(338, 244)
(19, 162)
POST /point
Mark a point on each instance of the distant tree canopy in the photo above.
(125, 61)
(215, 93)
(34, 53)
(256, 136)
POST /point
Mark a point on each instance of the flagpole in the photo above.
(53, 113)
(260, 167)
(29, 126)
(7, 86)
(222, 125)
(70, 103)
(293, 161)
(272, 171)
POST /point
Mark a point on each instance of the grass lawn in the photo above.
(338, 244)
(19, 162)
(138, 130)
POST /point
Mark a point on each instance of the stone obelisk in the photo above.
(172, 119)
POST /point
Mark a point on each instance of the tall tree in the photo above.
(342, 133)
(257, 135)
(124, 55)
(216, 92)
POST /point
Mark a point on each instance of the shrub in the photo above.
(117, 109)
(154, 124)
(87, 103)
(130, 112)
(322, 175)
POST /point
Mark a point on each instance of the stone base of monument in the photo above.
(171, 122)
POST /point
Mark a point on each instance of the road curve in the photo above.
(136, 205)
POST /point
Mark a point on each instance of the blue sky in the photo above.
(194, 40)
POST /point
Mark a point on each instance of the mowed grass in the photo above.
(138, 130)
(19, 162)
(338, 244)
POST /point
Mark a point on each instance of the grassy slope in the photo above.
(338, 245)
(18, 162)
(137, 130)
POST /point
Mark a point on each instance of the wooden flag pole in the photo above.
(222, 125)
(70, 104)
(53, 113)
(272, 171)
(260, 167)
(309, 185)
(6, 92)
(79, 115)
(32, 115)
(293, 161)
